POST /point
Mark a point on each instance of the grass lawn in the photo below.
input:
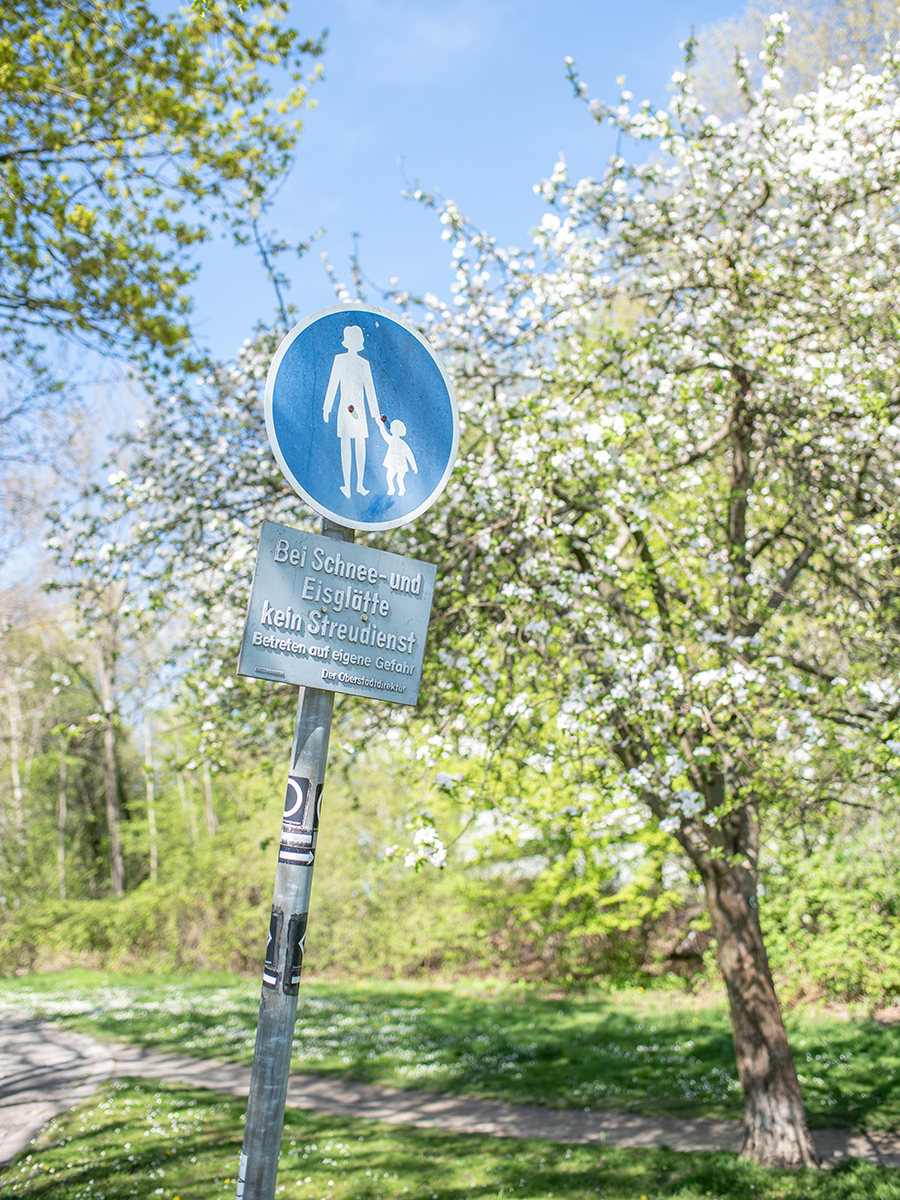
(653, 1053)
(146, 1141)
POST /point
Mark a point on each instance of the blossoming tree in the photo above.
(677, 513)
(668, 552)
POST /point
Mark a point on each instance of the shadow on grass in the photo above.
(140, 1141)
(587, 1053)
(450, 1167)
(850, 1071)
(623, 1052)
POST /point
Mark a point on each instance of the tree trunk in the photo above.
(113, 809)
(187, 803)
(149, 784)
(14, 712)
(111, 775)
(61, 813)
(212, 823)
(775, 1129)
(190, 820)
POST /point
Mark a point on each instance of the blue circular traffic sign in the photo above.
(361, 417)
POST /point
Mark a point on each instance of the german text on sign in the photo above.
(337, 616)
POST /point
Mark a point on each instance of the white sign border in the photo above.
(273, 440)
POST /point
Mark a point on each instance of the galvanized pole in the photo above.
(258, 1170)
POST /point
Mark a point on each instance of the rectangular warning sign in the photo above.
(337, 616)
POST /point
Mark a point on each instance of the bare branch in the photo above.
(779, 593)
(703, 448)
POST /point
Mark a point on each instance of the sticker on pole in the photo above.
(361, 417)
(336, 616)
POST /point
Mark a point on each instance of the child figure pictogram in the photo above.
(399, 456)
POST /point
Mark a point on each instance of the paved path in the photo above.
(45, 1070)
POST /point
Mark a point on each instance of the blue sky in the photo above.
(473, 95)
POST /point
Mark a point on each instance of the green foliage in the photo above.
(171, 926)
(51, 754)
(831, 911)
(555, 897)
(123, 135)
(135, 1138)
(208, 908)
(584, 891)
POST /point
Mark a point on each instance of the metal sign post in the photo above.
(348, 385)
(257, 1174)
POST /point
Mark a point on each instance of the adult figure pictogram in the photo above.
(351, 381)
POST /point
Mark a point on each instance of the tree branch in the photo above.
(779, 593)
(705, 446)
(656, 584)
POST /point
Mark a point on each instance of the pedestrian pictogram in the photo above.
(344, 379)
